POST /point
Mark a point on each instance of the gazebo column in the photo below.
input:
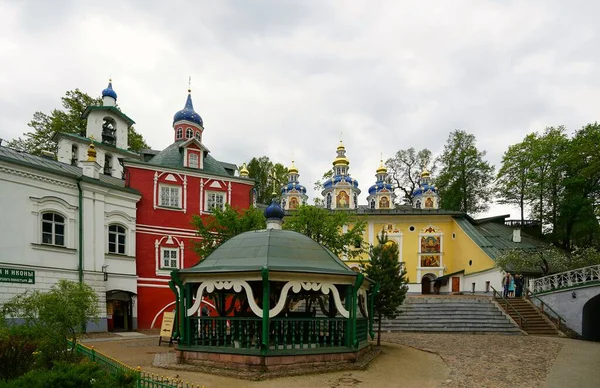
(179, 305)
(265, 311)
(360, 278)
(371, 306)
(187, 322)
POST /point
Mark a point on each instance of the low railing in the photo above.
(507, 305)
(142, 379)
(544, 307)
(566, 279)
(284, 333)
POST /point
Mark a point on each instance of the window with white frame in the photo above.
(189, 133)
(198, 135)
(193, 160)
(213, 200)
(169, 257)
(53, 229)
(170, 196)
(116, 239)
(179, 133)
(328, 201)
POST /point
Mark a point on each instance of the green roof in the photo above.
(277, 250)
(55, 167)
(495, 238)
(112, 109)
(97, 144)
(172, 156)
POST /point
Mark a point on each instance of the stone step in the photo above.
(499, 330)
(490, 313)
(466, 318)
(449, 307)
(448, 324)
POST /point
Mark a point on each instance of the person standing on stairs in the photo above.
(506, 284)
(511, 287)
(519, 285)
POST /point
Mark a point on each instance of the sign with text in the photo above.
(166, 328)
(17, 275)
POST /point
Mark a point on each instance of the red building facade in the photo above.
(176, 183)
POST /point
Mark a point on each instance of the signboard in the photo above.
(166, 329)
(17, 275)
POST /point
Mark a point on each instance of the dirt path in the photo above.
(397, 366)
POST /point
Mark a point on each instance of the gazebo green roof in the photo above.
(277, 250)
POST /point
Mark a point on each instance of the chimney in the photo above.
(516, 235)
(47, 154)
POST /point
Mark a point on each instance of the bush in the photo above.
(66, 375)
(18, 345)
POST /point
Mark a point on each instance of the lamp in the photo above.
(104, 272)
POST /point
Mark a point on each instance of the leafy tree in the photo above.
(465, 178)
(405, 169)
(319, 187)
(385, 269)
(57, 315)
(268, 177)
(326, 227)
(547, 261)
(68, 120)
(223, 225)
(513, 183)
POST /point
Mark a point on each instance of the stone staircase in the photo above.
(537, 323)
(451, 314)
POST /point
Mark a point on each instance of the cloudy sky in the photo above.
(282, 78)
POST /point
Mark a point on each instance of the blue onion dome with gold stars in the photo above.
(380, 183)
(109, 91)
(188, 113)
(293, 185)
(425, 185)
(274, 211)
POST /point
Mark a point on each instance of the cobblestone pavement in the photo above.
(487, 360)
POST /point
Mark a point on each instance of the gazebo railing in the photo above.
(285, 333)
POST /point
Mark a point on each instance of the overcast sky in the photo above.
(279, 77)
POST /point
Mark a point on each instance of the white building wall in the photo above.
(26, 194)
(494, 276)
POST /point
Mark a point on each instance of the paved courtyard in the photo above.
(419, 360)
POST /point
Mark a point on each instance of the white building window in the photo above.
(328, 201)
(189, 133)
(179, 133)
(116, 239)
(169, 257)
(213, 200)
(198, 135)
(193, 160)
(170, 196)
(53, 229)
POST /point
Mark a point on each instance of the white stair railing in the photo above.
(566, 279)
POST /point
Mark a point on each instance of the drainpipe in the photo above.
(80, 250)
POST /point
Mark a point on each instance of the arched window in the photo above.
(74, 155)
(53, 229)
(328, 201)
(116, 239)
(418, 204)
(355, 196)
(283, 203)
(198, 135)
(193, 160)
(109, 130)
(189, 133)
(108, 164)
(372, 204)
(179, 133)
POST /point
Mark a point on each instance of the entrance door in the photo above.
(455, 284)
(425, 285)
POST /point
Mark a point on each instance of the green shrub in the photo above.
(18, 345)
(69, 375)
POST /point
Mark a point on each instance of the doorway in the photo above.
(119, 310)
(591, 320)
(455, 284)
(426, 282)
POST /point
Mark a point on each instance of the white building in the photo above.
(64, 221)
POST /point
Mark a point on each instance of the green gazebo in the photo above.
(281, 299)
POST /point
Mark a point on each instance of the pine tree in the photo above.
(385, 269)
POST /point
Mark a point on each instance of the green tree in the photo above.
(269, 177)
(405, 170)
(385, 269)
(319, 187)
(513, 183)
(224, 224)
(548, 260)
(67, 120)
(465, 178)
(326, 227)
(58, 315)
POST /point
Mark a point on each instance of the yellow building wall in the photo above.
(456, 251)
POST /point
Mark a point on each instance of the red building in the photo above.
(176, 183)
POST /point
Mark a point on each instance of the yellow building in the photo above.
(442, 251)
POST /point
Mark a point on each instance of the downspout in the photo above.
(80, 229)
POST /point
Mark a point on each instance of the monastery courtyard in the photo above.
(416, 360)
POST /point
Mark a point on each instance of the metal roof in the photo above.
(277, 250)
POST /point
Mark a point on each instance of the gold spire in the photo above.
(425, 173)
(381, 169)
(341, 146)
(293, 169)
(91, 153)
(244, 171)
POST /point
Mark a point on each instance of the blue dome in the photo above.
(380, 186)
(424, 188)
(274, 211)
(188, 113)
(338, 178)
(109, 92)
(293, 186)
